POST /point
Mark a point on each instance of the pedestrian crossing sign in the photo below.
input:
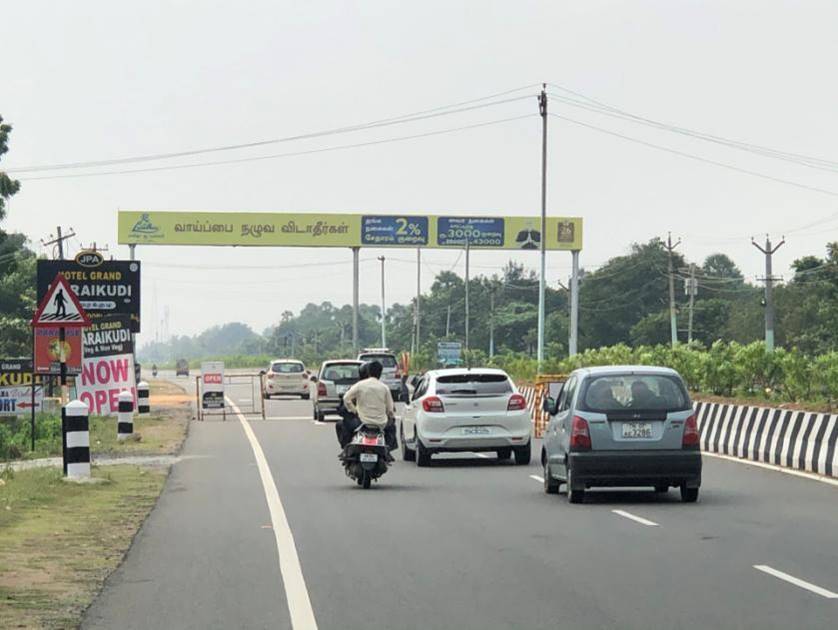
(60, 307)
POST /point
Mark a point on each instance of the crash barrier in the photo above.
(802, 440)
(125, 416)
(545, 385)
(252, 406)
(75, 439)
(142, 398)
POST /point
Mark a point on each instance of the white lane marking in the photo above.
(482, 455)
(788, 471)
(296, 592)
(814, 588)
(317, 423)
(637, 519)
(537, 478)
(288, 418)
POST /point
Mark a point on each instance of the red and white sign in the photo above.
(48, 350)
(101, 381)
(212, 390)
(60, 307)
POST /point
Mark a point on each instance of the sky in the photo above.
(100, 80)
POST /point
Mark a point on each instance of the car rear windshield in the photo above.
(386, 360)
(634, 392)
(473, 384)
(341, 372)
(287, 368)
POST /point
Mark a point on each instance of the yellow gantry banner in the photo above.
(295, 229)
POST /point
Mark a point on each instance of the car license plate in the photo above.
(369, 457)
(637, 429)
(342, 389)
(476, 431)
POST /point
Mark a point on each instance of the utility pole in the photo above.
(542, 282)
(692, 291)
(355, 290)
(468, 240)
(448, 319)
(673, 321)
(768, 250)
(383, 308)
(59, 240)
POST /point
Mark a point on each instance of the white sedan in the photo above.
(461, 409)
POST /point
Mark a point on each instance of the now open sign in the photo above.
(101, 381)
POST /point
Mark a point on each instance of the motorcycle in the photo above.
(154, 371)
(365, 457)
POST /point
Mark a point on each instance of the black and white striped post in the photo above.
(125, 418)
(75, 434)
(142, 397)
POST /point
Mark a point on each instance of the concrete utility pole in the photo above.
(768, 250)
(692, 291)
(542, 282)
(492, 322)
(573, 342)
(59, 240)
(673, 320)
(467, 283)
(417, 338)
(448, 319)
(383, 308)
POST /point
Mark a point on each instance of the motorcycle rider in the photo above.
(154, 370)
(345, 427)
(372, 401)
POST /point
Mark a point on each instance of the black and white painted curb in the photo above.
(76, 439)
(142, 397)
(802, 440)
(125, 417)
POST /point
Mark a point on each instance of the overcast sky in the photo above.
(92, 80)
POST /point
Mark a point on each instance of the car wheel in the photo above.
(551, 486)
(504, 453)
(523, 454)
(689, 495)
(408, 454)
(423, 457)
(573, 496)
(661, 489)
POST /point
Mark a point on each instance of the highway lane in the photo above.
(472, 543)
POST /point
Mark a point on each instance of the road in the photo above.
(467, 543)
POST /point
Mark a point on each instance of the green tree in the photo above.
(8, 186)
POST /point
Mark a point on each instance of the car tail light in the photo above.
(270, 376)
(691, 438)
(580, 435)
(516, 403)
(432, 404)
(321, 389)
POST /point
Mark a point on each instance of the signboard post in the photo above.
(60, 307)
(212, 386)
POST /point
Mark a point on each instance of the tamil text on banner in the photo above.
(48, 349)
(102, 379)
(212, 385)
(346, 230)
(104, 287)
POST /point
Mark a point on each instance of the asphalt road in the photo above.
(467, 543)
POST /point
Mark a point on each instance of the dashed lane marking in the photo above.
(637, 519)
(814, 588)
(537, 478)
(296, 592)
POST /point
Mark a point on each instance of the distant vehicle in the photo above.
(287, 376)
(333, 380)
(391, 374)
(182, 367)
(622, 426)
(462, 409)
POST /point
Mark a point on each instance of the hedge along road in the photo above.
(467, 543)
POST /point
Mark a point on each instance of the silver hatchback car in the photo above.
(622, 426)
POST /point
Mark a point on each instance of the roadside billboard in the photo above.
(212, 385)
(108, 336)
(17, 373)
(346, 230)
(449, 352)
(101, 381)
(48, 350)
(104, 287)
(16, 387)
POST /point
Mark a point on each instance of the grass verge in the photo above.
(60, 540)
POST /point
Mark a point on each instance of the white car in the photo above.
(463, 409)
(287, 377)
(390, 373)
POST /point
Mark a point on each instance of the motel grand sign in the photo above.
(346, 230)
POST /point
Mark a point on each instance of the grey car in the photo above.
(333, 380)
(622, 426)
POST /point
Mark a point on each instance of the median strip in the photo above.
(636, 519)
(813, 588)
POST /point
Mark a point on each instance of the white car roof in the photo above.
(344, 361)
(286, 361)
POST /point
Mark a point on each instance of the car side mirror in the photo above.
(549, 405)
(313, 378)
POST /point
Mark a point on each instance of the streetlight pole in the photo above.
(383, 308)
(542, 107)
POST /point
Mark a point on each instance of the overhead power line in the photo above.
(417, 116)
(282, 155)
(697, 158)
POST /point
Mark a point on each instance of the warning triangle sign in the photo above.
(60, 307)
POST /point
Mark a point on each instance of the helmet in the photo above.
(364, 370)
